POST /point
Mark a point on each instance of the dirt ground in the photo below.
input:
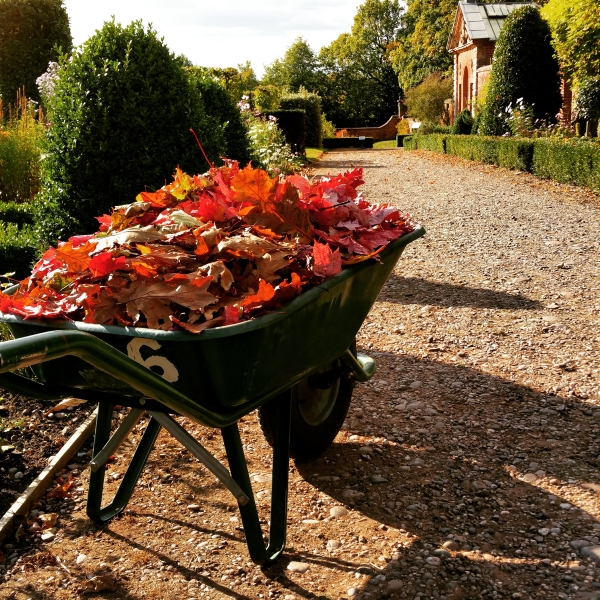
(468, 468)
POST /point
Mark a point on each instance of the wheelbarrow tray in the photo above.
(237, 364)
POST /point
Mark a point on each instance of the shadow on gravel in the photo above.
(413, 290)
(468, 477)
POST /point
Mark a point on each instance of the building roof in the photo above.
(482, 21)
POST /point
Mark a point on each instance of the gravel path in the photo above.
(467, 469)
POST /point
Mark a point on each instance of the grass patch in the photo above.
(314, 153)
(385, 144)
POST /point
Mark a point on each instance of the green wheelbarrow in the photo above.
(297, 366)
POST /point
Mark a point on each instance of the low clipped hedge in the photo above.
(18, 249)
(575, 161)
(19, 214)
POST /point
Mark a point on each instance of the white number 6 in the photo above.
(170, 372)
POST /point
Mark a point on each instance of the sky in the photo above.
(222, 33)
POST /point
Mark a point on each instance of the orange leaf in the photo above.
(202, 248)
(253, 185)
(75, 259)
(265, 293)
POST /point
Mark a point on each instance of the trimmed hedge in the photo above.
(19, 214)
(400, 139)
(18, 250)
(311, 104)
(292, 123)
(410, 142)
(574, 161)
(435, 142)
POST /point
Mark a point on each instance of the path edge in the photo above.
(42, 482)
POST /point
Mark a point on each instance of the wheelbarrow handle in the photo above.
(42, 347)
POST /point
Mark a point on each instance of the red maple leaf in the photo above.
(102, 264)
(326, 262)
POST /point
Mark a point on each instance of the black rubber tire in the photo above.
(308, 440)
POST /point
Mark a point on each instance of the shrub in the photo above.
(30, 33)
(568, 161)
(327, 127)
(587, 106)
(434, 142)
(426, 101)
(410, 142)
(268, 147)
(524, 67)
(20, 154)
(403, 128)
(463, 123)
(121, 113)
(428, 128)
(224, 114)
(19, 214)
(514, 153)
(267, 97)
(311, 104)
(18, 249)
(565, 160)
(293, 125)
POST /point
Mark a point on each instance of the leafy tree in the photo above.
(421, 50)
(121, 112)
(360, 86)
(524, 67)
(237, 81)
(298, 68)
(426, 101)
(575, 36)
(31, 32)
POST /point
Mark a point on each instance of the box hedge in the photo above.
(293, 124)
(574, 161)
(311, 104)
(19, 214)
(18, 249)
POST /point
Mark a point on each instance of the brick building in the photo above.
(472, 42)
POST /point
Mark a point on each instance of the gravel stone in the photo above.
(297, 567)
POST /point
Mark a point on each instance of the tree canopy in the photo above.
(299, 68)
(524, 67)
(576, 36)
(236, 81)
(421, 50)
(31, 34)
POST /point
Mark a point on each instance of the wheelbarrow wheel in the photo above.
(319, 407)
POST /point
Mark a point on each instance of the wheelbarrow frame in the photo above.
(146, 391)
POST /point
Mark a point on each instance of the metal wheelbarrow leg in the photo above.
(134, 470)
(238, 483)
(279, 487)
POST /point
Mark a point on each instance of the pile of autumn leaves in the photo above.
(208, 250)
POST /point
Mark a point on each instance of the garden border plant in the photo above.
(574, 161)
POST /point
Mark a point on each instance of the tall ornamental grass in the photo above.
(20, 138)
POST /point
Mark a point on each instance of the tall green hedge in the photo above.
(224, 113)
(575, 161)
(121, 115)
(30, 32)
(524, 66)
(311, 104)
(293, 124)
